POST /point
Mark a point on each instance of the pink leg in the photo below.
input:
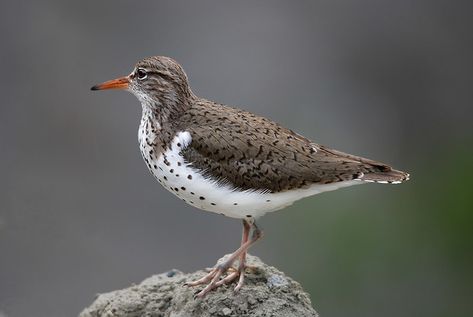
(213, 278)
(242, 264)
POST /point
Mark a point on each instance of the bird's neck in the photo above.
(158, 127)
(153, 118)
(167, 108)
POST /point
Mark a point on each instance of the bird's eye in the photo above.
(141, 73)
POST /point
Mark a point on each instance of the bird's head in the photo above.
(156, 81)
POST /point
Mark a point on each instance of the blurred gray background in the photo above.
(391, 80)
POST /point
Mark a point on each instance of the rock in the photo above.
(266, 292)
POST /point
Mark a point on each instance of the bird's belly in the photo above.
(189, 184)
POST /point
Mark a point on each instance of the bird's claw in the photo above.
(213, 279)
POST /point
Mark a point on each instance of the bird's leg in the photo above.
(213, 278)
(242, 264)
(244, 238)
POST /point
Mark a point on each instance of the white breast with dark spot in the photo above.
(189, 184)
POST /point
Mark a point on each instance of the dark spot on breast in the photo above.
(179, 163)
(155, 167)
(171, 170)
(189, 176)
(176, 189)
(235, 204)
(179, 144)
(183, 188)
(177, 175)
(165, 178)
(213, 204)
(248, 216)
(201, 197)
(192, 193)
(267, 200)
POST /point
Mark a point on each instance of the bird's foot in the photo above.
(214, 278)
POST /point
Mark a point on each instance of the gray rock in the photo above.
(267, 292)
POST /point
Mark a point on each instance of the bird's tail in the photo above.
(391, 176)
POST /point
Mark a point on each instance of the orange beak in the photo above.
(119, 83)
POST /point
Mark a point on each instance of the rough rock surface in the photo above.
(267, 292)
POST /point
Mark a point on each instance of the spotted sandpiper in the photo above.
(230, 161)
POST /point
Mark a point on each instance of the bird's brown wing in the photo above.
(251, 152)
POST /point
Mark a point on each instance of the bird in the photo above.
(230, 161)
